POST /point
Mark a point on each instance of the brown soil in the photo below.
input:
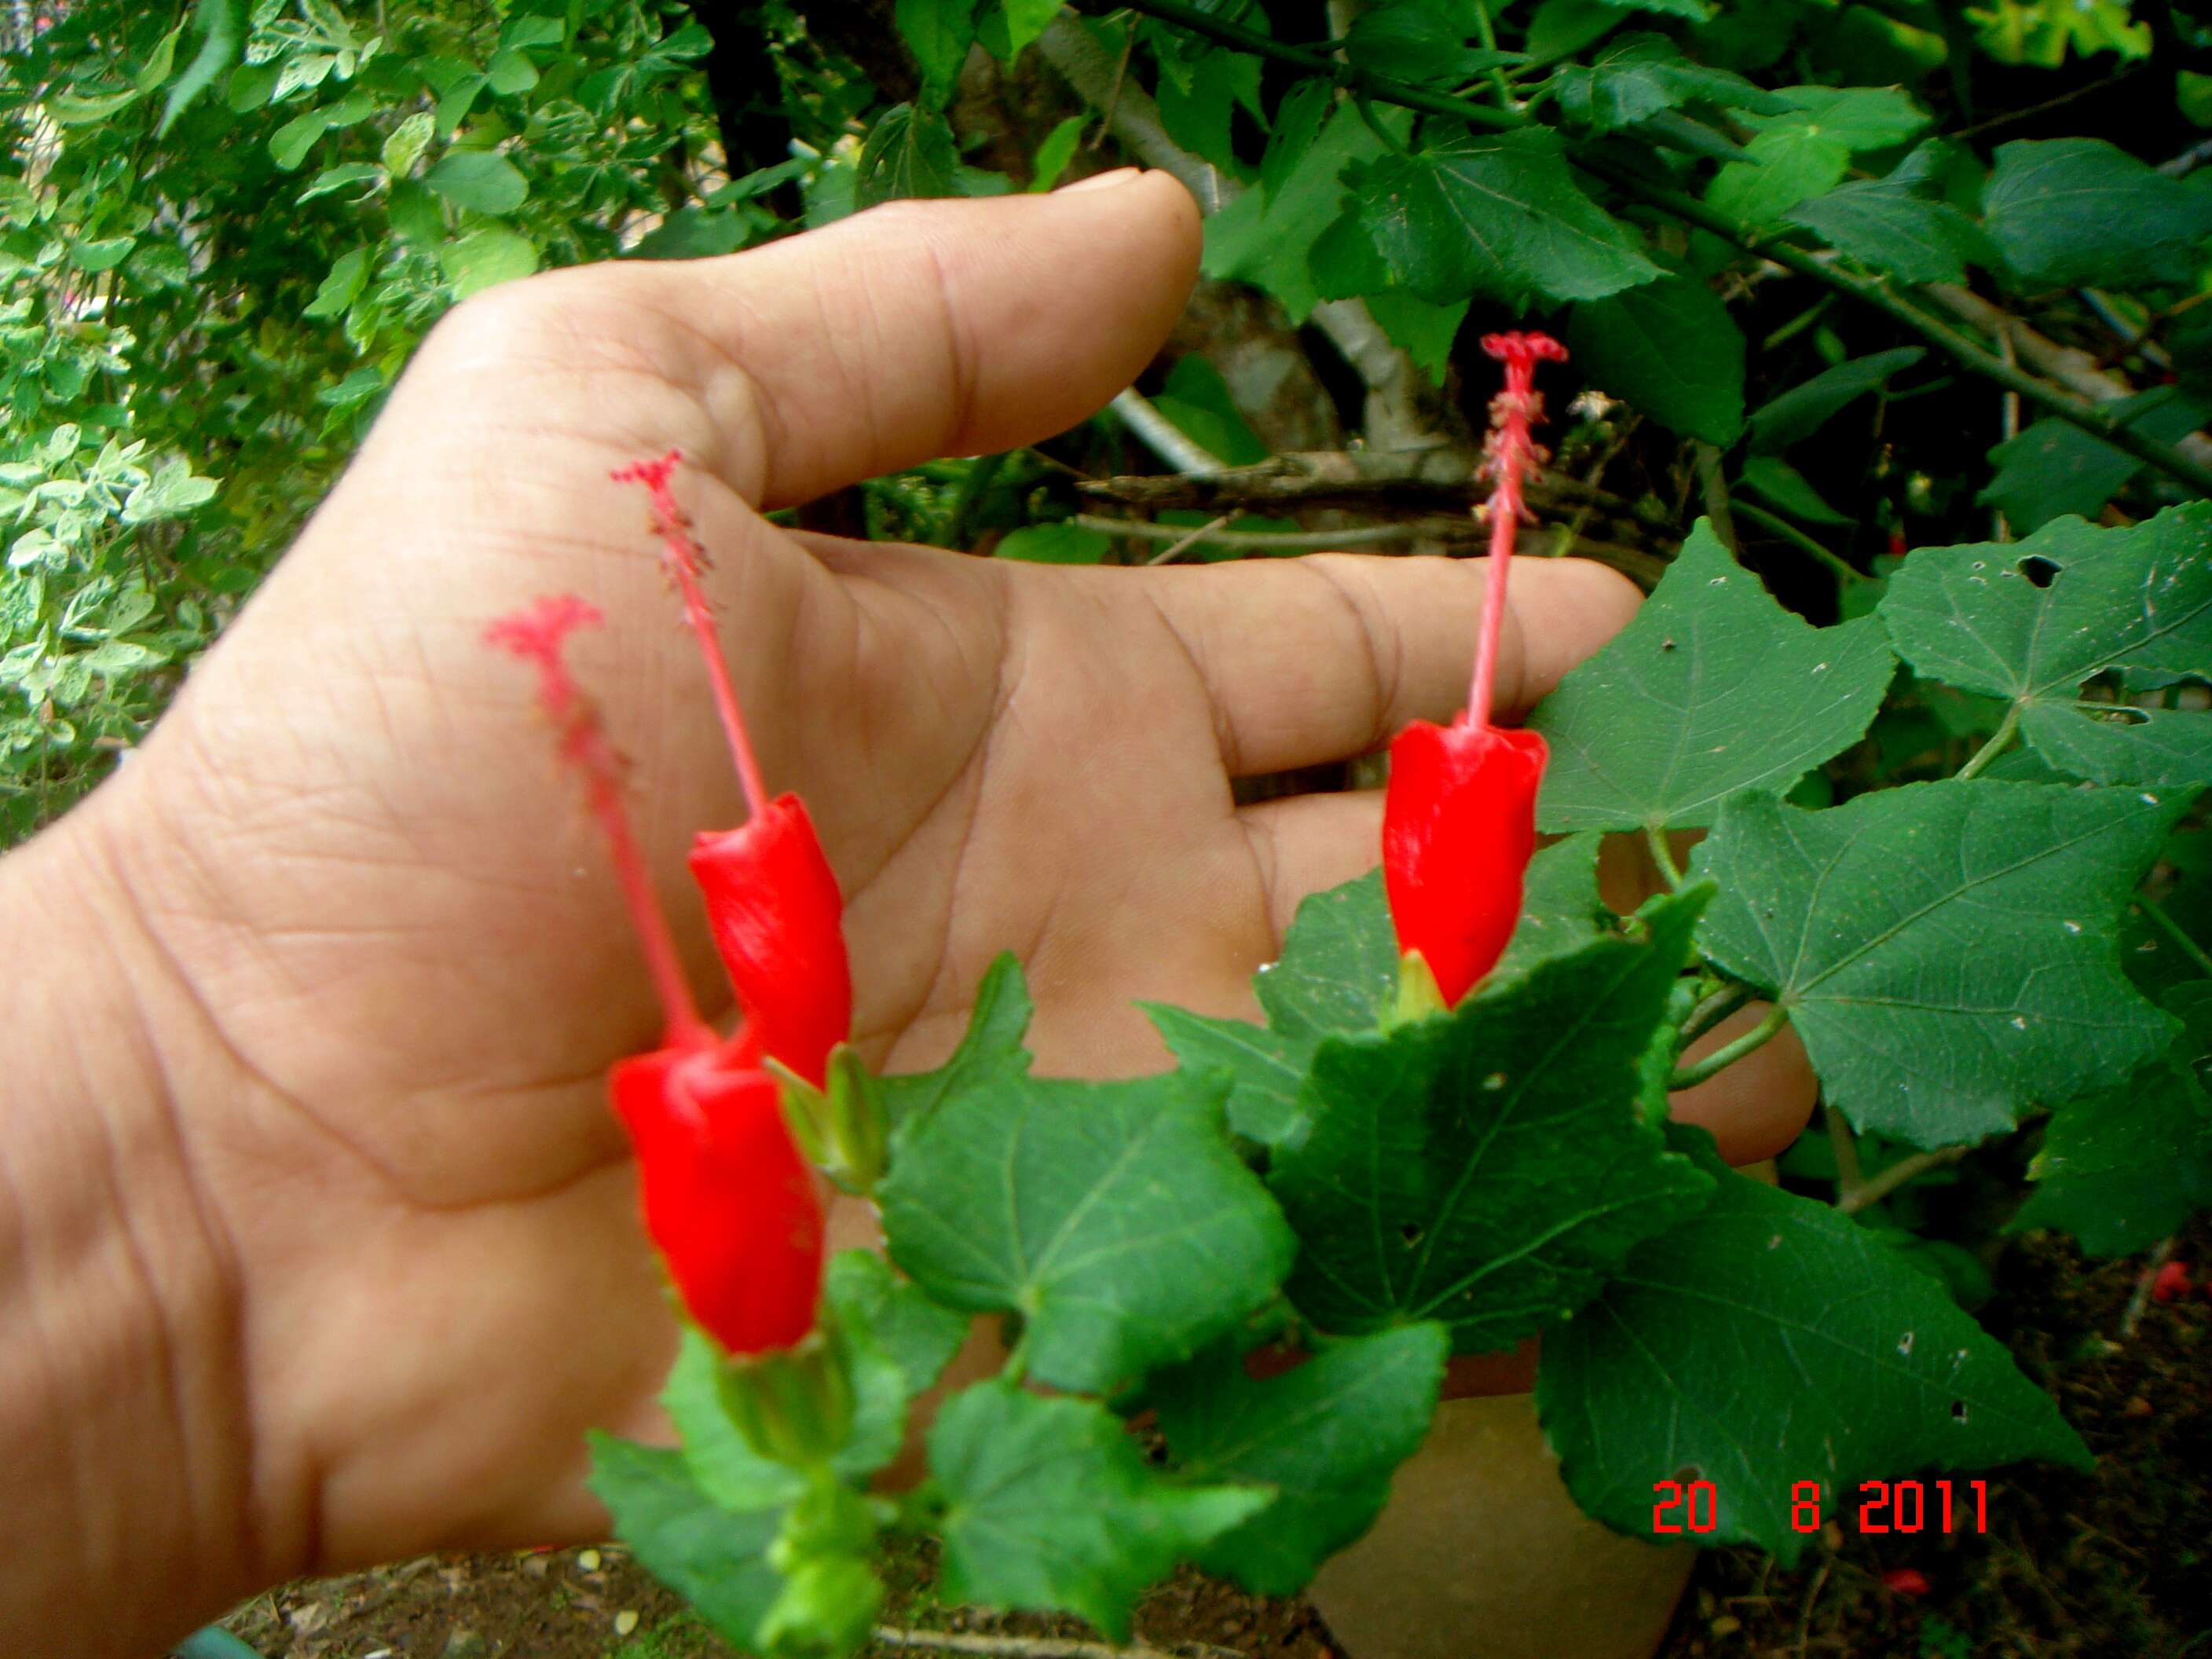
(2118, 1563)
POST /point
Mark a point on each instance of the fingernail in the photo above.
(1101, 180)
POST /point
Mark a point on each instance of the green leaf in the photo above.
(104, 255)
(348, 276)
(909, 152)
(1125, 1231)
(1784, 487)
(1638, 76)
(510, 73)
(1671, 350)
(1947, 951)
(714, 1559)
(2069, 211)
(2030, 621)
(1056, 152)
(1338, 970)
(1025, 20)
(344, 177)
(222, 35)
(993, 1045)
(1299, 121)
(289, 145)
(1326, 1435)
(1049, 1506)
(918, 1335)
(482, 181)
(526, 30)
(1412, 41)
(1696, 10)
(1339, 973)
(1712, 689)
(1267, 1069)
(1054, 543)
(1803, 410)
(692, 233)
(1498, 213)
(1490, 1167)
(895, 1342)
(2054, 468)
(1771, 1341)
(938, 32)
(484, 258)
(2122, 1170)
(1561, 28)
(1888, 224)
(1785, 166)
(1197, 105)
(1858, 117)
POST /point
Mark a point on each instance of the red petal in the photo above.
(771, 901)
(727, 1199)
(1459, 826)
(2172, 1280)
(1906, 1581)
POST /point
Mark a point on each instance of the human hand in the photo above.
(380, 966)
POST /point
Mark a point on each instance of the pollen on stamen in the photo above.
(684, 559)
(539, 634)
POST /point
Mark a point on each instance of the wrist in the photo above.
(123, 1415)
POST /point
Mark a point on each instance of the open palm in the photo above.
(392, 968)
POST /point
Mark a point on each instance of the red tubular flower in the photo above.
(773, 903)
(771, 897)
(1459, 826)
(1906, 1581)
(1459, 817)
(729, 1200)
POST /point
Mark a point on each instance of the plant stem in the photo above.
(1161, 435)
(1715, 1009)
(1729, 1053)
(1715, 492)
(1790, 532)
(1175, 550)
(1663, 855)
(2000, 740)
(1845, 1145)
(1688, 208)
(1488, 32)
(1880, 1186)
(1279, 540)
(2156, 913)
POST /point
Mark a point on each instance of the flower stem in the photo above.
(1729, 1053)
(2000, 740)
(1663, 855)
(1715, 1009)
(1845, 1146)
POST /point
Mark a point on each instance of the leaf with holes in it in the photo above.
(1489, 1167)
(1339, 973)
(1114, 1218)
(1049, 1506)
(1712, 689)
(909, 152)
(2032, 620)
(2122, 1170)
(1948, 951)
(1326, 1435)
(1768, 1342)
(1496, 213)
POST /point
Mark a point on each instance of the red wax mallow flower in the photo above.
(771, 897)
(728, 1200)
(2171, 1281)
(1906, 1581)
(1459, 817)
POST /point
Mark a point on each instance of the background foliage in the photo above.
(1849, 282)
